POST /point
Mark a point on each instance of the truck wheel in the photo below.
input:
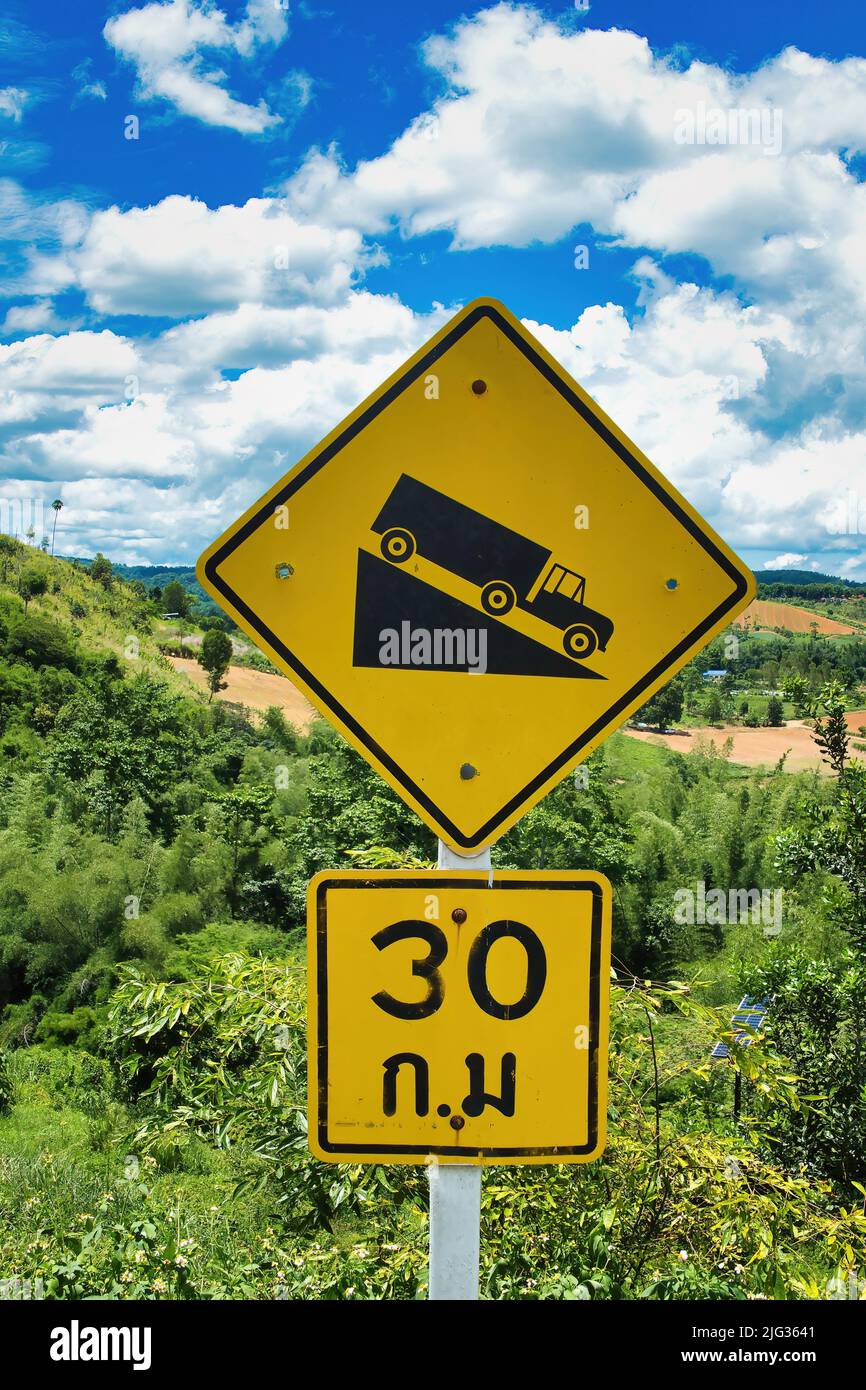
(497, 598)
(579, 641)
(397, 545)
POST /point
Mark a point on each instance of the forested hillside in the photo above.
(154, 853)
(155, 579)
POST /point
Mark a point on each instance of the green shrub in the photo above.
(61, 1030)
(190, 955)
(63, 1074)
(143, 939)
(277, 730)
(817, 1020)
(674, 1209)
(178, 912)
(41, 642)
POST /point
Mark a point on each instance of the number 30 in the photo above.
(427, 968)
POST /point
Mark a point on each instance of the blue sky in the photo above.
(314, 187)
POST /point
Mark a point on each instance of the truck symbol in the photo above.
(508, 568)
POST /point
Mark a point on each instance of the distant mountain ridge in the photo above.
(148, 574)
(157, 576)
(804, 577)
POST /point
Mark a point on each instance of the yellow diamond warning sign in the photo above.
(476, 576)
(458, 1016)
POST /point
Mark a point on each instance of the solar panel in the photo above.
(749, 1013)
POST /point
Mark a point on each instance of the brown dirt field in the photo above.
(762, 613)
(752, 747)
(255, 689)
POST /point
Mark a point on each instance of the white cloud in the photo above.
(80, 362)
(217, 443)
(540, 128)
(797, 490)
(364, 326)
(192, 448)
(29, 219)
(28, 318)
(49, 383)
(88, 86)
(757, 409)
(170, 44)
(12, 102)
(676, 379)
(788, 561)
(752, 400)
(181, 257)
(683, 380)
(136, 440)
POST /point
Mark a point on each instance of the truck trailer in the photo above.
(508, 568)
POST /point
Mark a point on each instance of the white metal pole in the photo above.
(455, 1231)
(455, 1188)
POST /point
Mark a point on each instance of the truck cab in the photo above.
(559, 600)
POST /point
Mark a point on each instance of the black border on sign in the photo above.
(487, 831)
(442, 881)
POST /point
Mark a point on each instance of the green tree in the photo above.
(797, 691)
(817, 1021)
(348, 806)
(215, 654)
(245, 816)
(101, 570)
(775, 712)
(278, 730)
(122, 739)
(573, 826)
(32, 584)
(692, 687)
(665, 707)
(175, 599)
(714, 707)
(8, 549)
(831, 727)
(57, 506)
(832, 835)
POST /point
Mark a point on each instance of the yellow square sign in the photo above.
(458, 1016)
(476, 576)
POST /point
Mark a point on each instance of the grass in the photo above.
(102, 620)
(629, 759)
(110, 620)
(82, 1213)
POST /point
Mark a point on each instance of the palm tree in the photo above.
(58, 507)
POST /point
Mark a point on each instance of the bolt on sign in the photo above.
(457, 1020)
(476, 577)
